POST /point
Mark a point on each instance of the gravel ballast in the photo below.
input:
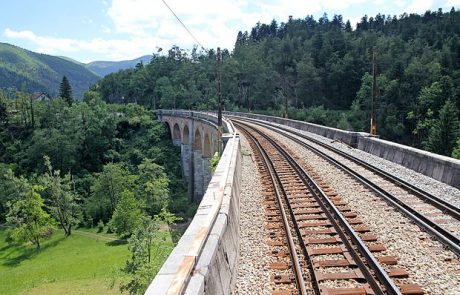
(437, 188)
(429, 264)
(253, 264)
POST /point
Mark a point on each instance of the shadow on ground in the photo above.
(29, 252)
(117, 243)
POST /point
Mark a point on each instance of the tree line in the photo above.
(322, 70)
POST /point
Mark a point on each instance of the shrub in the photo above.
(100, 226)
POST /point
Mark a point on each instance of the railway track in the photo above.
(330, 249)
(431, 213)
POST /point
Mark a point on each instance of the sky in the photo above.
(89, 30)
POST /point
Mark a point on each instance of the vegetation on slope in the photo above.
(33, 72)
(79, 165)
(103, 68)
(323, 69)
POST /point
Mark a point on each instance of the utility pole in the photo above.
(374, 92)
(219, 100)
(285, 105)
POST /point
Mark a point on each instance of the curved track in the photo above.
(325, 239)
(431, 213)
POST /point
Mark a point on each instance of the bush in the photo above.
(100, 226)
(213, 162)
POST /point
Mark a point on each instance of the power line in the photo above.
(185, 27)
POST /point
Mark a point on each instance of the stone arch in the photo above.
(197, 144)
(168, 127)
(207, 149)
(185, 135)
(176, 132)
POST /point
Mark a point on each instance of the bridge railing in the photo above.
(204, 260)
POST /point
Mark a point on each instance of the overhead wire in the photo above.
(185, 27)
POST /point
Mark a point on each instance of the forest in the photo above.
(322, 70)
(68, 164)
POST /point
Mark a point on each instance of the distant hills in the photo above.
(104, 68)
(41, 72)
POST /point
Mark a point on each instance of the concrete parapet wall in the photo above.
(216, 269)
(441, 168)
(205, 258)
(348, 137)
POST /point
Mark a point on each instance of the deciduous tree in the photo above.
(28, 219)
(107, 189)
(127, 215)
(63, 198)
(146, 249)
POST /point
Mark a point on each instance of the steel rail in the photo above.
(292, 250)
(443, 235)
(435, 201)
(343, 228)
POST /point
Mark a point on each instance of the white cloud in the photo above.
(105, 29)
(400, 3)
(451, 3)
(140, 26)
(419, 6)
(113, 49)
(214, 23)
(379, 2)
(143, 18)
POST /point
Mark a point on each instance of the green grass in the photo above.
(84, 263)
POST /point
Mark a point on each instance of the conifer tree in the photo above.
(65, 91)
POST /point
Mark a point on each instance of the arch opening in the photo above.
(197, 144)
(176, 132)
(207, 149)
(186, 135)
(168, 128)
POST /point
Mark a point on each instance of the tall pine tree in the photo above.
(65, 91)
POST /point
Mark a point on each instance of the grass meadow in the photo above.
(87, 262)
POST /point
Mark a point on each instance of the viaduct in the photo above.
(205, 259)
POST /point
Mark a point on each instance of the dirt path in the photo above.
(92, 235)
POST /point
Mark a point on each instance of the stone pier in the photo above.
(197, 136)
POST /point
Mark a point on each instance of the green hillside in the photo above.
(40, 72)
(104, 68)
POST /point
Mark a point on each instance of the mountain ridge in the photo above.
(104, 68)
(30, 71)
(36, 72)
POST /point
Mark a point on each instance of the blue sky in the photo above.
(88, 30)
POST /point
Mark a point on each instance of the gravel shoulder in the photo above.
(253, 264)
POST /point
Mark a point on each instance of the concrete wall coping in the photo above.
(206, 227)
(428, 154)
